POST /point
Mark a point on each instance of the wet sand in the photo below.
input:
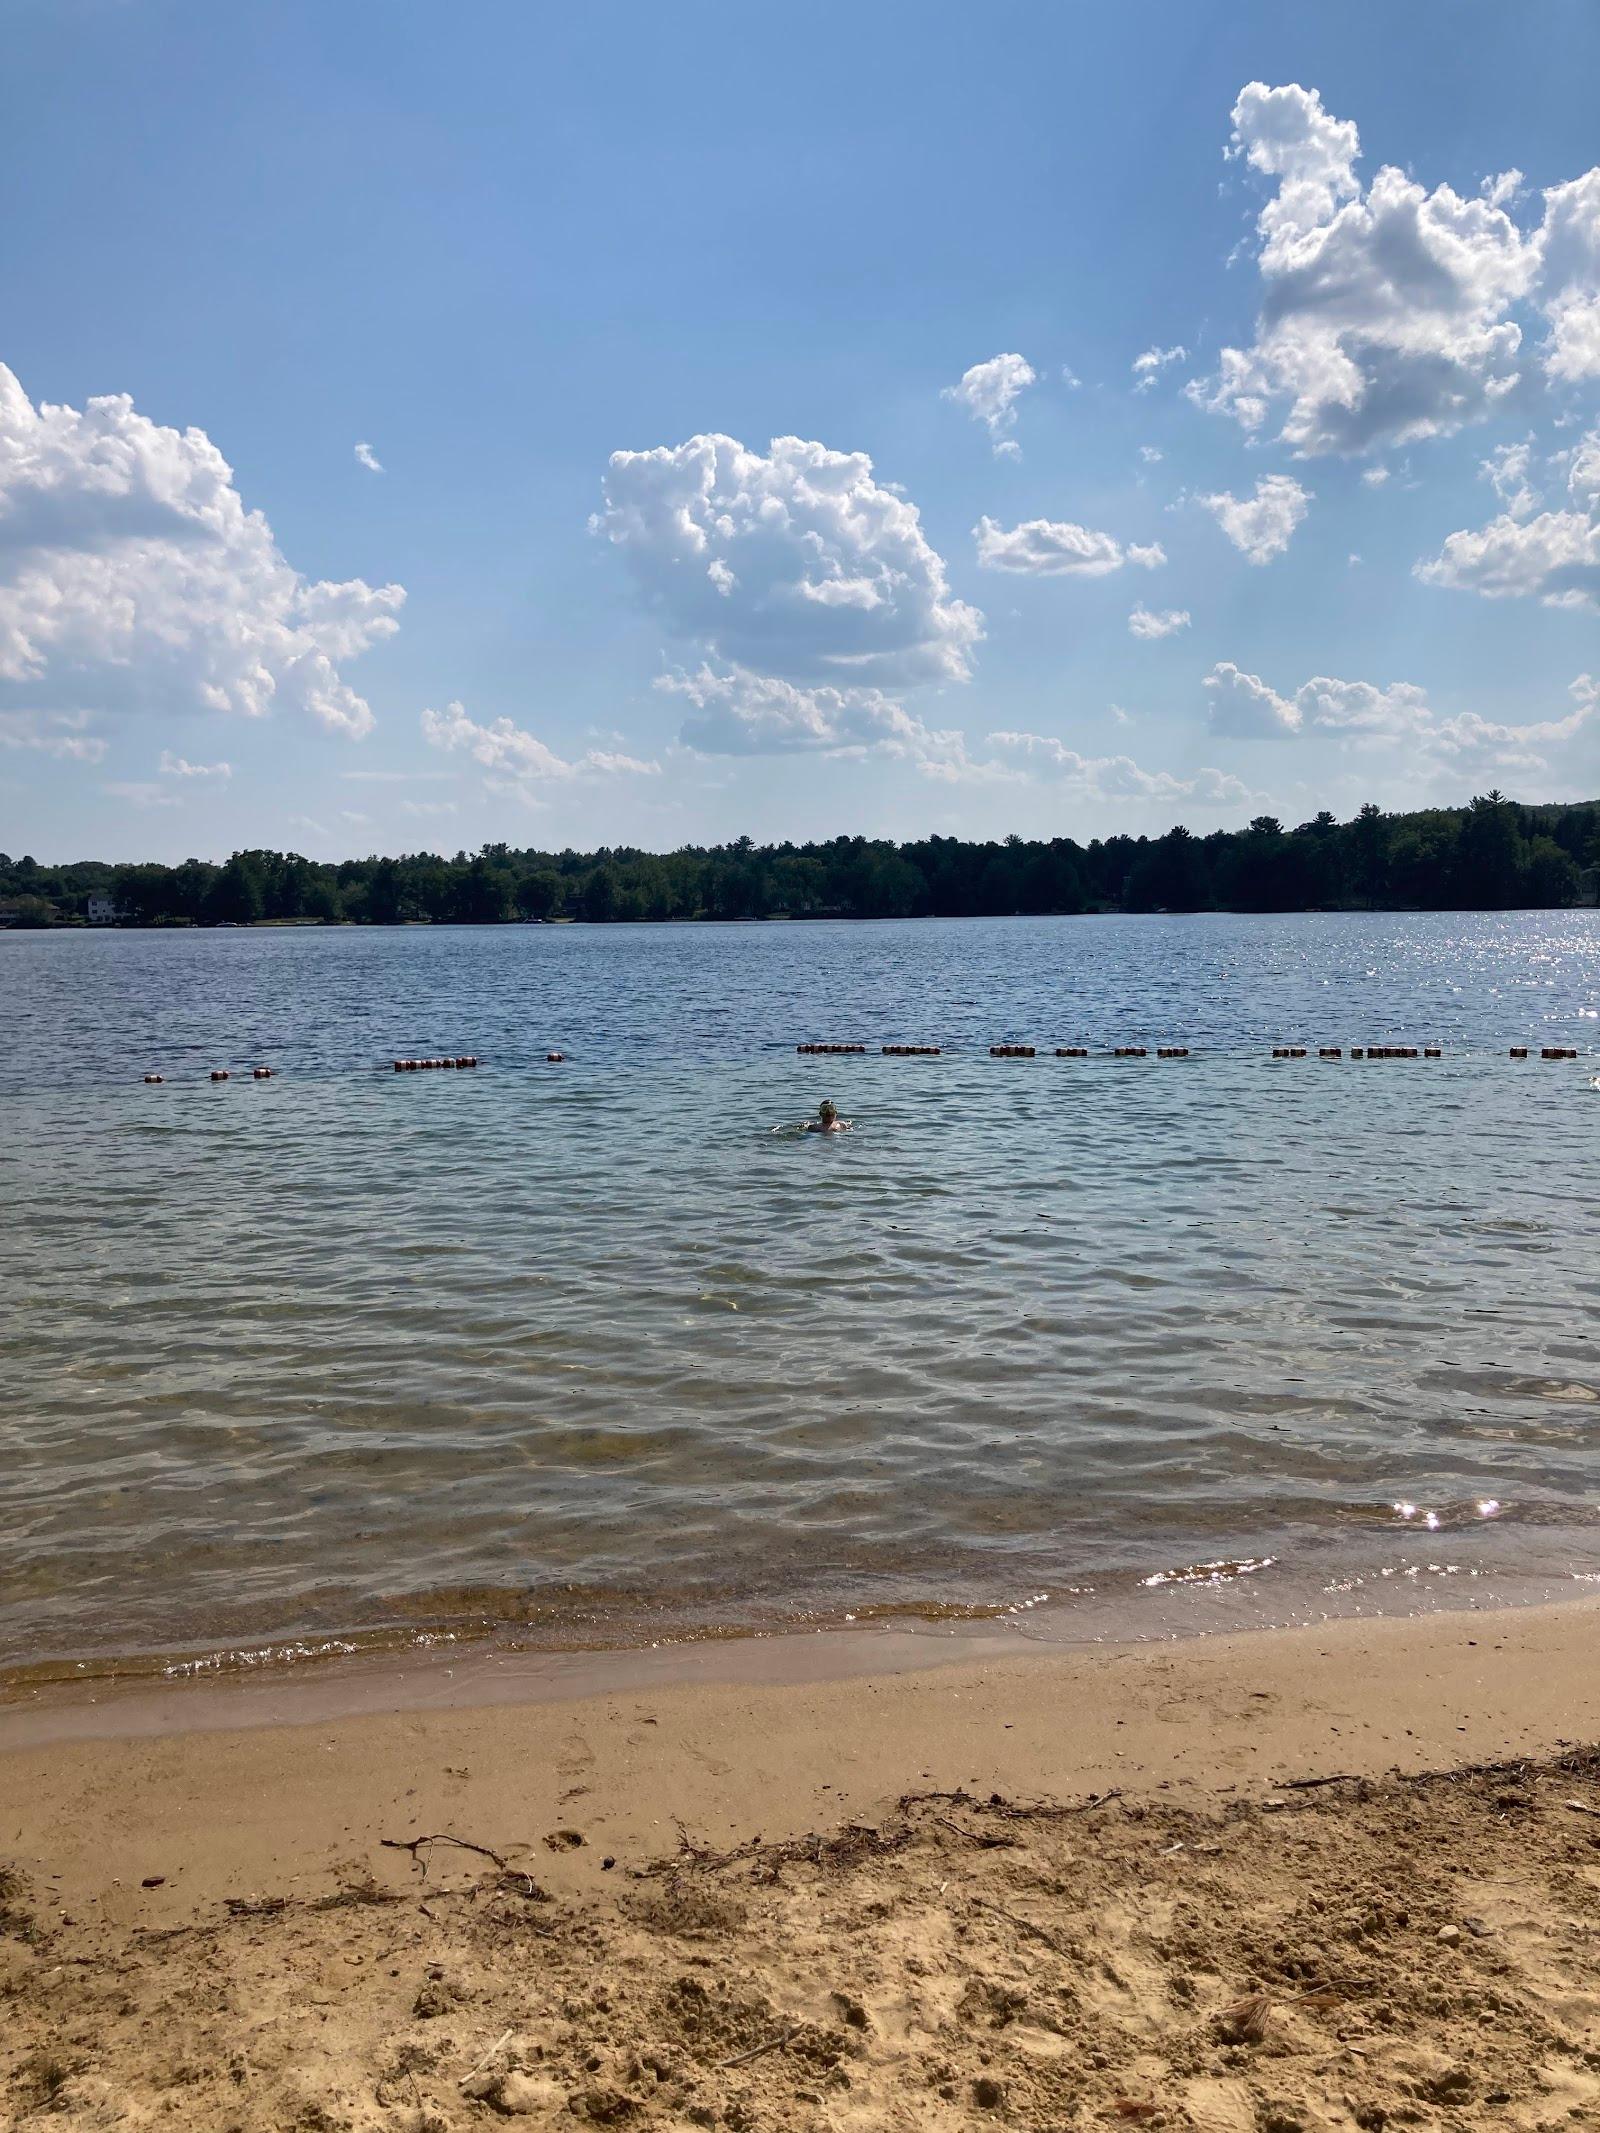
(226, 1923)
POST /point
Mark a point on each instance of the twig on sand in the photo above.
(984, 1843)
(757, 2051)
(414, 1845)
(483, 2058)
(1341, 1777)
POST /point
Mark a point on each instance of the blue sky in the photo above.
(499, 244)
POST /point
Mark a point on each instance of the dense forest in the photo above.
(1493, 854)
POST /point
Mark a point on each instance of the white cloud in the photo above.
(1507, 469)
(827, 575)
(176, 766)
(1387, 313)
(1039, 757)
(1245, 707)
(988, 392)
(1053, 548)
(740, 713)
(1375, 477)
(1260, 526)
(1149, 366)
(1161, 623)
(57, 733)
(515, 753)
(426, 808)
(1553, 557)
(354, 816)
(132, 576)
(1151, 455)
(1570, 243)
(368, 458)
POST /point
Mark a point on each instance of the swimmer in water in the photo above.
(827, 1120)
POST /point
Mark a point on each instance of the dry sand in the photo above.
(1025, 1891)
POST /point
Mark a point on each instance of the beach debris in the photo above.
(986, 1840)
(414, 1846)
(1244, 2021)
(153, 1881)
(759, 2051)
(1582, 1807)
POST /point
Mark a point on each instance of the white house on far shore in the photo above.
(103, 911)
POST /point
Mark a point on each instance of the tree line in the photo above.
(1493, 854)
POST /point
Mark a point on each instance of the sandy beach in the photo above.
(1263, 1882)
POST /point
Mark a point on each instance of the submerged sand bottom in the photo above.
(1040, 1891)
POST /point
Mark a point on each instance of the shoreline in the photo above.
(1232, 1882)
(308, 1769)
(299, 1680)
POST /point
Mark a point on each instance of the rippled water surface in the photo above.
(593, 1351)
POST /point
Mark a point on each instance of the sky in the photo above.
(620, 424)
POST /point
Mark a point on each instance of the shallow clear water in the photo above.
(593, 1351)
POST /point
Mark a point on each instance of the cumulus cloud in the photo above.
(1054, 548)
(368, 458)
(57, 733)
(1149, 366)
(177, 766)
(826, 575)
(988, 392)
(1507, 471)
(1551, 556)
(515, 754)
(1260, 526)
(132, 576)
(741, 713)
(1245, 707)
(1161, 623)
(1038, 757)
(1387, 311)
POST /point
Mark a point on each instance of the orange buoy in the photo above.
(149, 1078)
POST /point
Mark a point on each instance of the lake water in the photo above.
(593, 1353)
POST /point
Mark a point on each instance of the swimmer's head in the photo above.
(827, 1111)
